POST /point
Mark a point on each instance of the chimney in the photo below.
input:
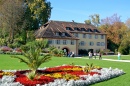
(72, 20)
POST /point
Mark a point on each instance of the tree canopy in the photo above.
(18, 17)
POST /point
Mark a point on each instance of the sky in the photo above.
(80, 10)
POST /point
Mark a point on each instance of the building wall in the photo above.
(77, 43)
(71, 48)
(68, 45)
(102, 42)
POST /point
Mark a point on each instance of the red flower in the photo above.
(63, 70)
(27, 82)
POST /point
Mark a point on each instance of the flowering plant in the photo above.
(65, 75)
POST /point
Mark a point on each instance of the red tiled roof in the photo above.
(49, 29)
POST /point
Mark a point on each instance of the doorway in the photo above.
(66, 51)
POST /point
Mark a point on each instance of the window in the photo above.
(84, 35)
(102, 44)
(57, 33)
(102, 36)
(63, 34)
(98, 43)
(89, 30)
(57, 41)
(76, 28)
(89, 36)
(64, 42)
(82, 29)
(76, 34)
(68, 28)
(50, 41)
(72, 42)
(95, 30)
(91, 43)
(82, 43)
(96, 36)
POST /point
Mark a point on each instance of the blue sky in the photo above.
(80, 10)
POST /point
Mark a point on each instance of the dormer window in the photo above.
(76, 28)
(57, 33)
(95, 30)
(63, 34)
(82, 29)
(68, 28)
(89, 30)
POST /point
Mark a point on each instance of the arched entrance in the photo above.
(66, 51)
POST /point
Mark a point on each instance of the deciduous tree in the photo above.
(11, 12)
(128, 23)
(95, 19)
(40, 12)
(115, 30)
(111, 20)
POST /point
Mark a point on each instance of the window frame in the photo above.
(91, 43)
(102, 36)
(96, 36)
(72, 42)
(82, 43)
(57, 41)
(84, 35)
(98, 44)
(64, 42)
(90, 36)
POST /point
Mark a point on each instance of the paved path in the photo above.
(109, 59)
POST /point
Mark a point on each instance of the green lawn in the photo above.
(6, 62)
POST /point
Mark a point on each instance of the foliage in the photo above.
(88, 67)
(40, 11)
(2, 42)
(111, 20)
(41, 43)
(128, 23)
(111, 45)
(124, 47)
(70, 77)
(31, 75)
(11, 13)
(24, 48)
(87, 22)
(56, 52)
(33, 59)
(19, 17)
(95, 19)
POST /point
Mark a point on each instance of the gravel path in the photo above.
(109, 59)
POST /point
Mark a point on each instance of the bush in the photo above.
(25, 47)
(124, 47)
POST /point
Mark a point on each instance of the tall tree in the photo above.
(115, 30)
(124, 47)
(111, 20)
(37, 13)
(87, 22)
(11, 12)
(40, 12)
(128, 23)
(95, 19)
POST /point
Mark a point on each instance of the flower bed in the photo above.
(65, 75)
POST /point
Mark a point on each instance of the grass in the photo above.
(6, 62)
